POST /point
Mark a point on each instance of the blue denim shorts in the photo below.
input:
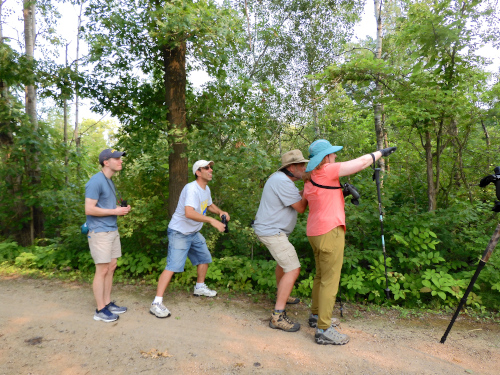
(182, 246)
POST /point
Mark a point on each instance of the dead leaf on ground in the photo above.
(155, 353)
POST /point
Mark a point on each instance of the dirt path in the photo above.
(46, 327)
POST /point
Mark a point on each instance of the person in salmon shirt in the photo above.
(326, 229)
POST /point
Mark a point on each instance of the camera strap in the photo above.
(113, 189)
(323, 186)
(287, 172)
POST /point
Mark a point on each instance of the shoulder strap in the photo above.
(325, 187)
(113, 189)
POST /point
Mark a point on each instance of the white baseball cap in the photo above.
(200, 164)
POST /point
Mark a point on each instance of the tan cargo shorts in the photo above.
(282, 251)
(104, 246)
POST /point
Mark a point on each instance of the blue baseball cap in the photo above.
(109, 153)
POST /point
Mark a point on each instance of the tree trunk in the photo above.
(33, 169)
(5, 130)
(431, 190)
(75, 133)
(378, 107)
(65, 129)
(29, 40)
(174, 61)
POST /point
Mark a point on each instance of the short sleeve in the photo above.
(93, 189)
(287, 192)
(192, 199)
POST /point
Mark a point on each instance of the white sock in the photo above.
(199, 285)
(158, 299)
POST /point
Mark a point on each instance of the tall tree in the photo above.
(378, 107)
(153, 38)
(36, 222)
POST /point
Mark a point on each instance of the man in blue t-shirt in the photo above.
(103, 237)
(185, 239)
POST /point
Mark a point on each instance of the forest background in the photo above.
(282, 74)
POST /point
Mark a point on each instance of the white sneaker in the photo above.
(159, 310)
(204, 291)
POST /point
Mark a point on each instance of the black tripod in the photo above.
(487, 253)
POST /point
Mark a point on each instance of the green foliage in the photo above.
(271, 92)
(9, 250)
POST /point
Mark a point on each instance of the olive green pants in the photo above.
(329, 254)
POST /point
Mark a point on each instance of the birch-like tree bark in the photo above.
(378, 107)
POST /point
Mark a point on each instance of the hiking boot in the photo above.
(330, 336)
(204, 291)
(159, 310)
(105, 315)
(292, 300)
(313, 321)
(115, 309)
(283, 322)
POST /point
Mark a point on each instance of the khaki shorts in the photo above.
(104, 246)
(282, 251)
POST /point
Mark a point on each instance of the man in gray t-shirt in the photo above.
(275, 220)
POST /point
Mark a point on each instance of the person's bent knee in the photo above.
(295, 272)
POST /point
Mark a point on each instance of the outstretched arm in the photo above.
(353, 166)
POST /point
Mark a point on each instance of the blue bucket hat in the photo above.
(318, 150)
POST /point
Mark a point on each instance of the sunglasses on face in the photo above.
(206, 168)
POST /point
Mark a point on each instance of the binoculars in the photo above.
(495, 178)
(224, 221)
(351, 190)
(123, 203)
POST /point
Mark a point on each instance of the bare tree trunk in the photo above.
(65, 125)
(378, 107)
(75, 134)
(317, 130)
(486, 134)
(33, 169)
(6, 137)
(431, 190)
(29, 40)
(248, 26)
(174, 61)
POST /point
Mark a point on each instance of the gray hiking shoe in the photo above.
(283, 322)
(330, 336)
(313, 321)
(105, 315)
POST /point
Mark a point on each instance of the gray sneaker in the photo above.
(330, 336)
(204, 291)
(159, 310)
(115, 309)
(105, 315)
(313, 321)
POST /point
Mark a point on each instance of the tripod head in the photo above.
(495, 178)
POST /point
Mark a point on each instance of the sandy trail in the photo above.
(46, 327)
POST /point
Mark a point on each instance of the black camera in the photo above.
(351, 190)
(124, 203)
(224, 221)
(495, 178)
